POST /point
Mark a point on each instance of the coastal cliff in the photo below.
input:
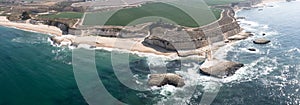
(170, 37)
(174, 38)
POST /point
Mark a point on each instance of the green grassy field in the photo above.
(220, 2)
(69, 15)
(154, 12)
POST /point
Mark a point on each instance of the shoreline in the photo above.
(103, 42)
(133, 45)
(219, 55)
(44, 29)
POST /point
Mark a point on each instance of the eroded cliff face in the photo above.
(169, 36)
(62, 26)
(140, 30)
(180, 39)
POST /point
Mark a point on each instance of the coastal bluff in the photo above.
(176, 38)
(170, 37)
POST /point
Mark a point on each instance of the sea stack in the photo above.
(261, 41)
(219, 68)
(166, 79)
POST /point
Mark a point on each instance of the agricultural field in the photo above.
(192, 13)
(156, 11)
(220, 2)
(68, 15)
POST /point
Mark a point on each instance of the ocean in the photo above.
(32, 72)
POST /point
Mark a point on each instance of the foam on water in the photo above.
(294, 50)
(246, 50)
(193, 79)
(221, 53)
(33, 40)
(254, 70)
(141, 54)
(249, 23)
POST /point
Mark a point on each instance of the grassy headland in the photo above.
(153, 11)
(69, 15)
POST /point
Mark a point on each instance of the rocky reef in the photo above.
(166, 79)
(220, 68)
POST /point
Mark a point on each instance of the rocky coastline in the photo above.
(157, 38)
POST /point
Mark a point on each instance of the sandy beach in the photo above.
(124, 44)
(130, 44)
(45, 29)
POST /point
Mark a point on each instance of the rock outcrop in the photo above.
(56, 40)
(62, 26)
(63, 40)
(237, 37)
(251, 49)
(173, 38)
(261, 41)
(164, 79)
(220, 68)
(240, 36)
(178, 38)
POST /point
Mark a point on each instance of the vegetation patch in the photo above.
(67, 15)
(166, 12)
(220, 2)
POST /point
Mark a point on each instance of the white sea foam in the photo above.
(249, 72)
(267, 32)
(17, 40)
(167, 90)
(294, 50)
(250, 23)
(192, 79)
(34, 40)
(254, 70)
(141, 54)
(85, 46)
(221, 53)
(266, 27)
(246, 50)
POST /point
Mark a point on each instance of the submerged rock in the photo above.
(251, 49)
(220, 68)
(261, 41)
(164, 79)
